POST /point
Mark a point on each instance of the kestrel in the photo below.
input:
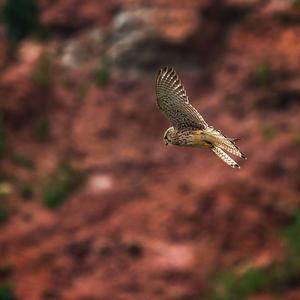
(189, 128)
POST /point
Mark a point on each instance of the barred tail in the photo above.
(225, 143)
(226, 158)
(231, 148)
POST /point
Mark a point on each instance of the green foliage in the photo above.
(7, 292)
(20, 18)
(26, 190)
(2, 137)
(3, 175)
(43, 71)
(42, 129)
(63, 182)
(292, 233)
(102, 76)
(269, 132)
(5, 189)
(4, 214)
(296, 139)
(263, 75)
(233, 287)
(275, 278)
(22, 161)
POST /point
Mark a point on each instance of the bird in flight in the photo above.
(189, 128)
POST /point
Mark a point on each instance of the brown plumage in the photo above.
(188, 126)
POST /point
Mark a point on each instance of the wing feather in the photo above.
(173, 101)
(226, 158)
(225, 143)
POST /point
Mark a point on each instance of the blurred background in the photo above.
(93, 205)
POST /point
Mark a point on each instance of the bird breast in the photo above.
(189, 138)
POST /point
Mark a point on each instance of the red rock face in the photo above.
(149, 221)
(74, 14)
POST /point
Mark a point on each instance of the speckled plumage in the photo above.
(188, 126)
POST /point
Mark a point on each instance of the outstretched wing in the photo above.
(226, 158)
(173, 101)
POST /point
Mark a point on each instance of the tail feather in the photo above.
(226, 158)
(226, 143)
(231, 148)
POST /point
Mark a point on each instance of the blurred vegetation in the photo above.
(296, 139)
(269, 132)
(43, 71)
(4, 212)
(82, 91)
(20, 18)
(42, 129)
(291, 234)
(7, 292)
(22, 161)
(274, 279)
(3, 175)
(263, 75)
(26, 190)
(6, 270)
(296, 3)
(102, 76)
(232, 287)
(5, 189)
(63, 182)
(2, 137)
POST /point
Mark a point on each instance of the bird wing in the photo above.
(226, 158)
(173, 101)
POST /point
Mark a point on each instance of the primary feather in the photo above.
(173, 101)
(226, 158)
